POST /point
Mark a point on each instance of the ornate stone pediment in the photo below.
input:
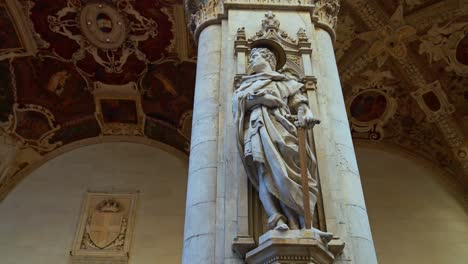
(295, 47)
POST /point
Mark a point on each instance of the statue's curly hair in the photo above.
(267, 54)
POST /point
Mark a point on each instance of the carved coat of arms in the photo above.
(105, 228)
(106, 224)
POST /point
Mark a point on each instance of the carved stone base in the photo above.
(293, 246)
(242, 245)
(99, 260)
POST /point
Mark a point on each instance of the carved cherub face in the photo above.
(262, 59)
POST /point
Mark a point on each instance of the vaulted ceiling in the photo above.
(404, 72)
(80, 69)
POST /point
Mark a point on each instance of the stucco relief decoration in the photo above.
(346, 33)
(372, 104)
(50, 96)
(436, 106)
(390, 40)
(447, 43)
(110, 33)
(16, 39)
(433, 101)
(119, 109)
(33, 126)
(104, 232)
(24, 139)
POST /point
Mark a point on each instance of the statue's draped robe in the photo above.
(267, 138)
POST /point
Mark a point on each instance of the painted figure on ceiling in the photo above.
(57, 82)
(263, 106)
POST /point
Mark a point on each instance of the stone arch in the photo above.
(45, 207)
(9, 182)
(410, 199)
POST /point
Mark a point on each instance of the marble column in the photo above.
(200, 231)
(344, 206)
(217, 207)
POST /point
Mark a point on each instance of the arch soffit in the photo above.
(445, 177)
(7, 184)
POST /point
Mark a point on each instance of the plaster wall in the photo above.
(415, 216)
(39, 218)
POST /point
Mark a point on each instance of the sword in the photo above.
(302, 127)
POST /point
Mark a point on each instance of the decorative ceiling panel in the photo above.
(101, 68)
(402, 66)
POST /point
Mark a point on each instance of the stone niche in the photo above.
(105, 229)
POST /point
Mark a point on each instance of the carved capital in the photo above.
(201, 13)
(326, 15)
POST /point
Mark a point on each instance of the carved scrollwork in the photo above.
(104, 31)
(372, 105)
(33, 126)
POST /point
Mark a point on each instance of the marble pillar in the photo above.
(344, 206)
(217, 205)
(199, 231)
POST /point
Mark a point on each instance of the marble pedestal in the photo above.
(290, 247)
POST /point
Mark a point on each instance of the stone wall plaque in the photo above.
(105, 228)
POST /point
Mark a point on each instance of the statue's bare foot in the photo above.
(325, 236)
(282, 227)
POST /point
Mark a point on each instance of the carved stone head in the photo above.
(268, 50)
(261, 56)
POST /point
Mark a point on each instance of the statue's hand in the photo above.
(309, 119)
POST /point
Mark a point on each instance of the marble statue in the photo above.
(264, 106)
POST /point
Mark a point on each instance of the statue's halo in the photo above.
(275, 47)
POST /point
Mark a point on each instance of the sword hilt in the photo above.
(299, 119)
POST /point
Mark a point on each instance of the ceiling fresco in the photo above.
(72, 70)
(82, 69)
(404, 72)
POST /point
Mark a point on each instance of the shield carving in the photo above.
(105, 224)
